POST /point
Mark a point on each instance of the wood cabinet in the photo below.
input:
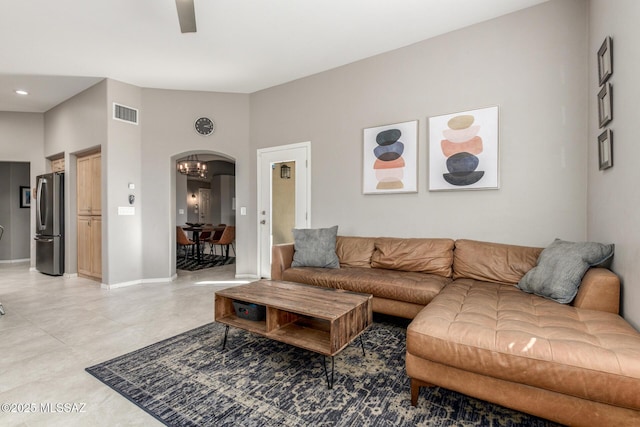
(90, 185)
(90, 246)
(57, 165)
(89, 201)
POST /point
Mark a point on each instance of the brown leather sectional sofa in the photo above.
(474, 332)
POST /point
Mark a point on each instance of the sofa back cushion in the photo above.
(433, 256)
(355, 251)
(492, 262)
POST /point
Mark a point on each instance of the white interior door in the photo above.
(204, 197)
(299, 154)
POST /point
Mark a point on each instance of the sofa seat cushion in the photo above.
(499, 331)
(417, 288)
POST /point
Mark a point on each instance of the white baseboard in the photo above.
(161, 279)
(247, 276)
(138, 282)
(70, 275)
(120, 285)
(14, 261)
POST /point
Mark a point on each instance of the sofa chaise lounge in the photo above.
(475, 332)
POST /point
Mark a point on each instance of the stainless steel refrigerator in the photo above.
(50, 223)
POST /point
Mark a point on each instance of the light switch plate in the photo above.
(126, 210)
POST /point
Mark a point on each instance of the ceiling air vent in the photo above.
(125, 114)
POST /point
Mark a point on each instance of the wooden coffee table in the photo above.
(321, 320)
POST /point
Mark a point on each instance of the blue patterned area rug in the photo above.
(207, 261)
(188, 380)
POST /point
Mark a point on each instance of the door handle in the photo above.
(264, 221)
(39, 214)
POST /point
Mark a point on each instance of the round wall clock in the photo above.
(205, 126)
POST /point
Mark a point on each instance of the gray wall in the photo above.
(182, 201)
(16, 241)
(122, 234)
(83, 123)
(168, 134)
(121, 167)
(22, 140)
(532, 64)
(614, 194)
(227, 190)
(73, 127)
(133, 247)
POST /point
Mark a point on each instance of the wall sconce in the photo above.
(193, 195)
(285, 172)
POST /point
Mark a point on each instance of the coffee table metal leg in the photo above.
(226, 333)
(326, 373)
(362, 344)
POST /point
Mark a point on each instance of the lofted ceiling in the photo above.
(55, 49)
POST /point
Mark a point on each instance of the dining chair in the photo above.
(217, 232)
(215, 235)
(227, 239)
(183, 241)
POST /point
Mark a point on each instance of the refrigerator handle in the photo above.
(46, 240)
(39, 216)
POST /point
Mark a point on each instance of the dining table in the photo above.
(216, 232)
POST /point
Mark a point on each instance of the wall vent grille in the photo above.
(125, 114)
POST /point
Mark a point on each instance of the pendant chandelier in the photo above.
(191, 166)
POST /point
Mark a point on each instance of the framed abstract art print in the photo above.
(390, 159)
(463, 150)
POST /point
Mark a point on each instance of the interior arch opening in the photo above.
(205, 211)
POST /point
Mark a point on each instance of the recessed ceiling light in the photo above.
(22, 92)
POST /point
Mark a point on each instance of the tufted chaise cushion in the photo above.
(499, 331)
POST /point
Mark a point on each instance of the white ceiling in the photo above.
(57, 48)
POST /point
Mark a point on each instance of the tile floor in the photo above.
(54, 327)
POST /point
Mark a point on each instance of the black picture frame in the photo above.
(605, 61)
(605, 149)
(25, 197)
(605, 105)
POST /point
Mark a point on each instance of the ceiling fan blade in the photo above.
(186, 16)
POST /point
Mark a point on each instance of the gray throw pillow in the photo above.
(561, 267)
(315, 247)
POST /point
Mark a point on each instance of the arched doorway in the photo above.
(204, 207)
